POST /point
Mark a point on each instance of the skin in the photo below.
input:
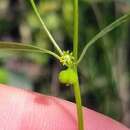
(26, 110)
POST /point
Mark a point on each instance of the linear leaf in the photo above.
(103, 32)
(13, 46)
(45, 27)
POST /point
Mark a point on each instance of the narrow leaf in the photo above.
(45, 27)
(103, 32)
(13, 46)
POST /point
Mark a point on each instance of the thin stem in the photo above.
(45, 28)
(75, 35)
(75, 53)
(102, 33)
(78, 105)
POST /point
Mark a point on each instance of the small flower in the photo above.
(67, 58)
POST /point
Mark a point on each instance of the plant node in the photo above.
(67, 59)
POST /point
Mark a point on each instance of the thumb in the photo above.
(25, 110)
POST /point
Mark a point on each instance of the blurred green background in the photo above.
(104, 72)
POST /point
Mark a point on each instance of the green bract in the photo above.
(68, 76)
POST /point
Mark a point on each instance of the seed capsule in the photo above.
(68, 76)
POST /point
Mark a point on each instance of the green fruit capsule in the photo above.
(68, 76)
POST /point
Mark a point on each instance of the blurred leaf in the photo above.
(48, 6)
(3, 75)
(52, 21)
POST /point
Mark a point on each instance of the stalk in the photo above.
(75, 33)
(77, 94)
(75, 53)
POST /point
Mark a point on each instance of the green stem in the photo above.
(75, 53)
(75, 39)
(78, 104)
(45, 28)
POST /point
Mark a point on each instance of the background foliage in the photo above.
(104, 73)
